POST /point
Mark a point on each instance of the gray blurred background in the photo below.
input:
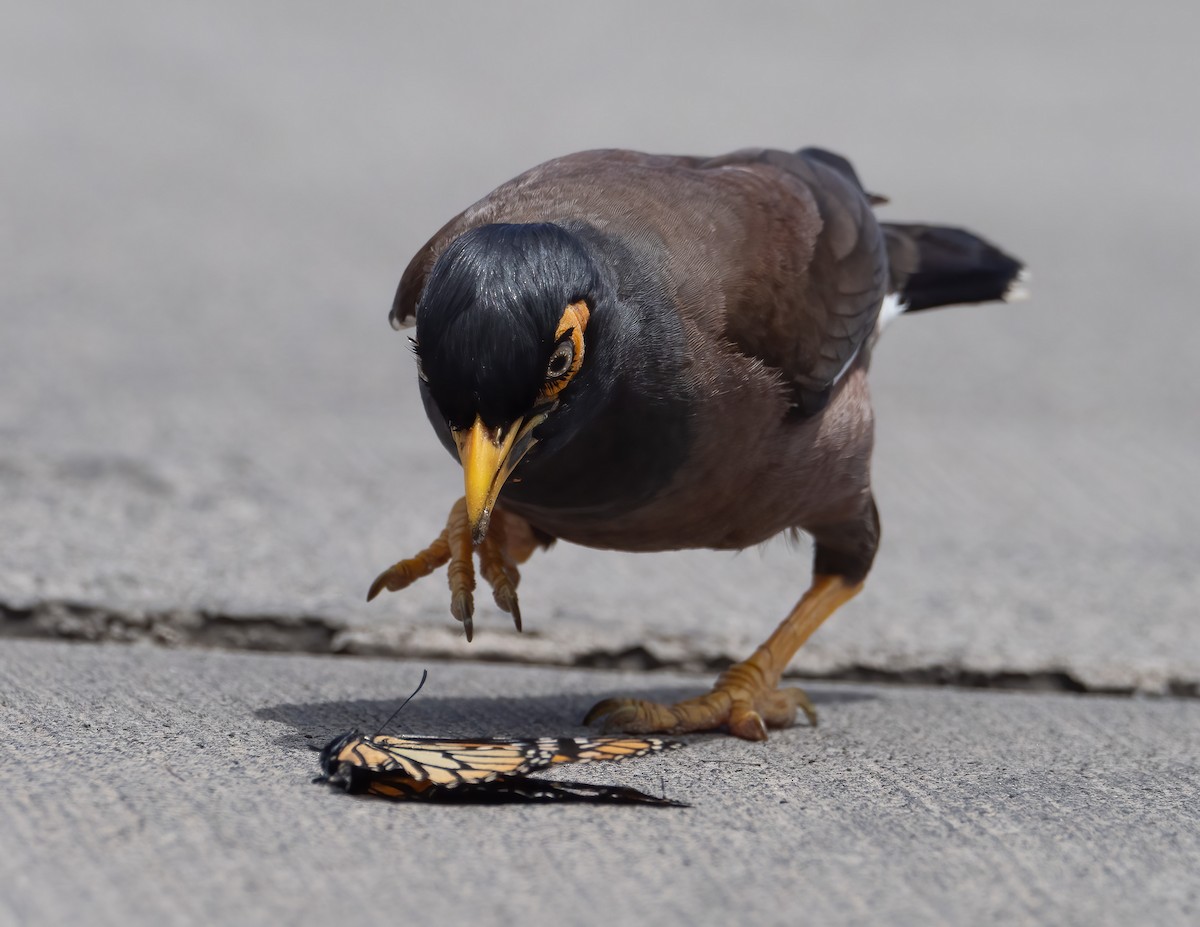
(205, 209)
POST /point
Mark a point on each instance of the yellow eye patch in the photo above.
(568, 355)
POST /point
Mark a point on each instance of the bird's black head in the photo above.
(488, 322)
(508, 330)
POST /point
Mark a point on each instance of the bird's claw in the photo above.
(499, 570)
(498, 557)
(400, 575)
(745, 711)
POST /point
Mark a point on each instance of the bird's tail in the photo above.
(935, 265)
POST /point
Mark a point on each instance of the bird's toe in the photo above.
(747, 714)
(631, 715)
(788, 701)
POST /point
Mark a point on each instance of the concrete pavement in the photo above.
(209, 435)
(142, 785)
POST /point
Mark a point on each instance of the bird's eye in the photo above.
(567, 357)
(561, 360)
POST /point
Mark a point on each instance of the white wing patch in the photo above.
(891, 309)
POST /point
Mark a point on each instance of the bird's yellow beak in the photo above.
(489, 456)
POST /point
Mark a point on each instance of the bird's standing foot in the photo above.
(509, 541)
(741, 702)
(745, 700)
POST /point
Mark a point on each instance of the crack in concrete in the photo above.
(175, 627)
(315, 634)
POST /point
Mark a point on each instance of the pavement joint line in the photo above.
(316, 634)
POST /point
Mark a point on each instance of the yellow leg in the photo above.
(745, 699)
(509, 541)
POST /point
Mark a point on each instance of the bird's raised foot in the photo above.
(746, 711)
(498, 557)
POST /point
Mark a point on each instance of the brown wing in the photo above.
(819, 261)
(778, 252)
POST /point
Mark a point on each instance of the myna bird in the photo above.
(646, 352)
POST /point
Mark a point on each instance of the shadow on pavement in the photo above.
(475, 716)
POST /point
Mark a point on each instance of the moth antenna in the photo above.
(424, 676)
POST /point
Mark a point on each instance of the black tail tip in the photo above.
(942, 266)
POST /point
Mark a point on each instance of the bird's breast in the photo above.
(623, 458)
(737, 470)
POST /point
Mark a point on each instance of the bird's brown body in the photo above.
(707, 379)
(773, 480)
(787, 308)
